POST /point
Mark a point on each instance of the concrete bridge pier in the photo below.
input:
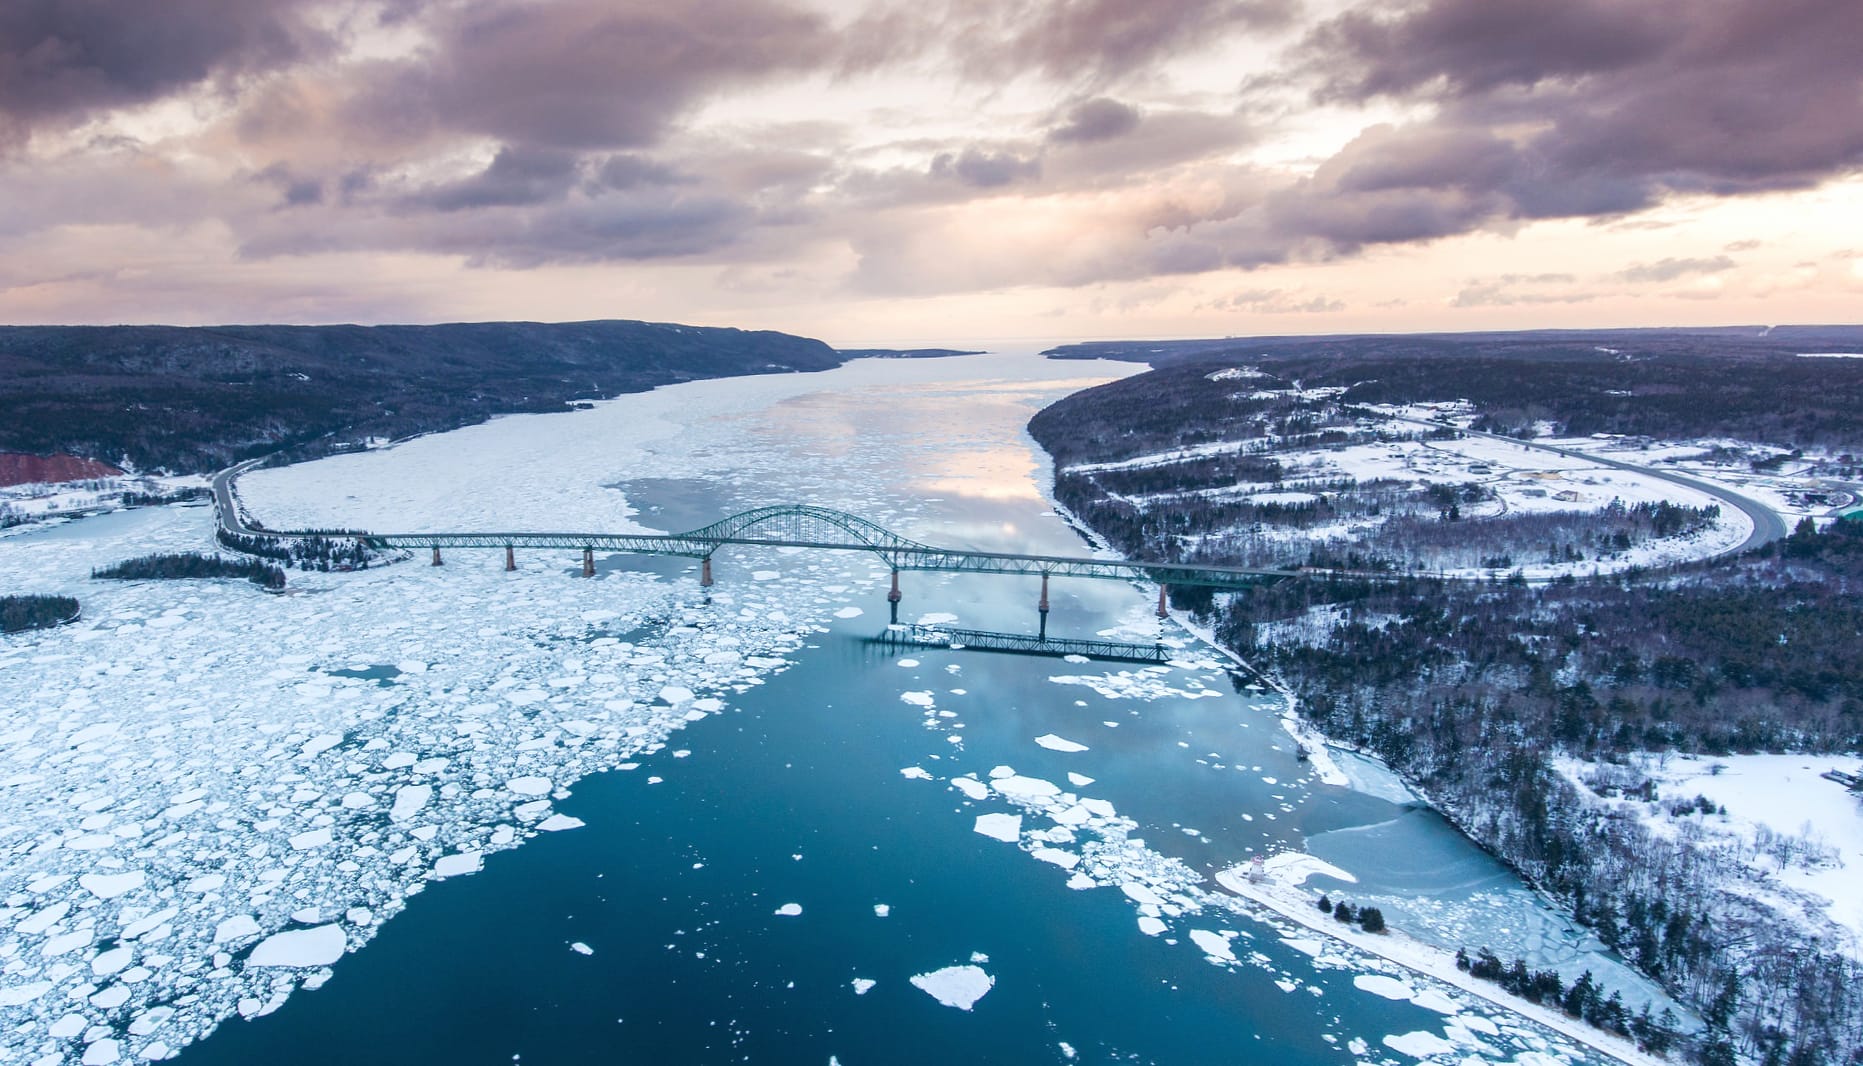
(510, 559)
(893, 597)
(436, 556)
(1042, 606)
(588, 562)
(705, 572)
(1164, 606)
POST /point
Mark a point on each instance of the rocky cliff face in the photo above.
(17, 469)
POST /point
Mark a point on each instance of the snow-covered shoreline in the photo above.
(1283, 896)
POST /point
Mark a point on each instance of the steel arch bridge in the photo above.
(807, 526)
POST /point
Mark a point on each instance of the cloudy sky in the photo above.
(930, 171)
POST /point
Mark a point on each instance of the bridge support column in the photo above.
(893, 597)
(1042, 606)
(436, 556)
(510, 559)
(1164, 605)
(588, 562)
(705, 572)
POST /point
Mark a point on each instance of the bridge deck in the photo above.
(782, 526)
(899, 557)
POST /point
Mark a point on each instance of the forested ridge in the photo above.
(194, 399)
(1475, 691)
(1671, 384)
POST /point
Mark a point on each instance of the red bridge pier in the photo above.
(588, 562)
(705, 572)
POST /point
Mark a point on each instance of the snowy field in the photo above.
(1518, 480)
(1798, 836)
(1530, 481)
(37, 502)
(1797, 489)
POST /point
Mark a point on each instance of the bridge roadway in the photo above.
(806, 526)
(784, 526)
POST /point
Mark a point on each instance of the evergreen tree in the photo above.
(1583, 991)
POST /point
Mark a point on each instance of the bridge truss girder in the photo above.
(801, 520)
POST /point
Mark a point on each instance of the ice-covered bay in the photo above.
(207, 792)
(174, 798)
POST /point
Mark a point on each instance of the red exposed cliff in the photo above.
(18, 469)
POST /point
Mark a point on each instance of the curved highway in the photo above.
(1767, 525)
(227, 508)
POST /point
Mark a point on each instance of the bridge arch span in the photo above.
(805, 523)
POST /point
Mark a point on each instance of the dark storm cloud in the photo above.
(582, 74)
(1072, 41)
(62, 60)
(1466, 47)
(571, 91)
(654, 225)
(1109, 38)
(1625, 99)
(639, 224)
(627, 171)
(516, 176)
(1593, 108)
(294, 191)
(1099, 119)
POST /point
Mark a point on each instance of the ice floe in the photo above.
(1380, 985)
(1420, 1044)
(110, 886)
(971, 787)
(955, 986)
(319, 946)
(1004, 827)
